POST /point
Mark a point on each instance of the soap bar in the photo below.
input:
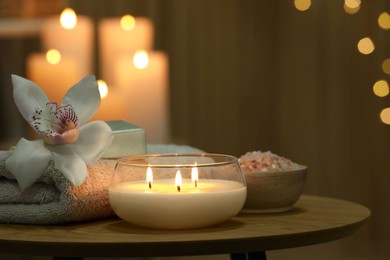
(128, 140)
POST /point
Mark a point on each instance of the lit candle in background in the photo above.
(112, 106)
(53, 72)
(138, 92)
(118, 36)
(72, 35)
(143, 78)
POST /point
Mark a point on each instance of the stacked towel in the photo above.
(54, 200)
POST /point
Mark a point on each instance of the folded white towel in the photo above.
(54, 200)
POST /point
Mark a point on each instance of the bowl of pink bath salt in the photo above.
(274, 183)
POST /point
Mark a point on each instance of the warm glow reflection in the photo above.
(385, 116)
(302, 5)
(352, 4)
(386, 66)
(68, 18)
(53, 56)
(178, 180)
(127, 22)
(141, 59)
(384, 20)
(103, 89)
(381, 88)
(366, 46)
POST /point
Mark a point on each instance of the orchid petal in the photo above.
(84, 98)
(28, 96)
(71, 166)
(67, 137)
(28, 161)
(94, 138)
(41, 120)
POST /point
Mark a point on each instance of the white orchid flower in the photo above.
(66, 138)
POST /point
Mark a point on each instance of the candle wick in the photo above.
(178, 188)
(196, 183)
(150, 184)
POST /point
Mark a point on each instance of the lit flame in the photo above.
(149, 177)
(53, 56)
(103, 89)
(141, 59)
(68, 19)
(127, 22)
(178, 181)
(194, 175)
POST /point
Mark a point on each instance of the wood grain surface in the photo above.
(313, 220)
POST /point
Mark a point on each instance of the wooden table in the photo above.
(313, 220)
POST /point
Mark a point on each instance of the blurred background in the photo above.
(307, 80)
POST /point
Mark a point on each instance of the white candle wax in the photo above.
(115, 41)
(76, 42)
(146, 91)
(164, 207)
(54, 79)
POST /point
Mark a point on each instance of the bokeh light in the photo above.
(381, 88)
(353, 4)
(302, 5)
(141, 59)
(127, 22)
(366, 46)
(386, 66)
(384, 20)
(349, 10)
(68, 18)
(53, 56)
(103, 89)
(385, 116)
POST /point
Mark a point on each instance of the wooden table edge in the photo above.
(183, 248)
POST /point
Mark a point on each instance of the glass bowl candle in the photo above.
(177, 191)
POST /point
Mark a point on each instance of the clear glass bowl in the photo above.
(177, 191)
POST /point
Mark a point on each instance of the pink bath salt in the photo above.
(258, 161)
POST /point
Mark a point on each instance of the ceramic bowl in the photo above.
(273, 191)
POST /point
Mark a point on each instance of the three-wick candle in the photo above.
(179, 203)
